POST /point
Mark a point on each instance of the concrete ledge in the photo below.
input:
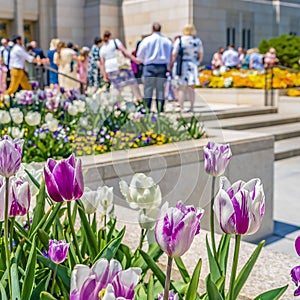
(237, 96)
(179, 171)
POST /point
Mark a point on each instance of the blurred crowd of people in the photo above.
(243, 59)
(155, 58)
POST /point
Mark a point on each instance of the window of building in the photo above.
(230, 36)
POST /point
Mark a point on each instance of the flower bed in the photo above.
(55, 124)
(48, 257)
(248, 79)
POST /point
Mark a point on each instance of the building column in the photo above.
(18, 25)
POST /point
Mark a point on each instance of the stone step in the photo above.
(280, 132)
(257, 121)
(287, 148)
(236, 113)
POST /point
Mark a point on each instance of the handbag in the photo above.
(123, 61)
(179, 59)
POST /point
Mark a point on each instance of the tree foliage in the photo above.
(287, 49)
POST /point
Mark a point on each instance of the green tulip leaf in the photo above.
(29, 273)
(246, 270)
(274, 294)
(150, 289)
(110, 250)
(43, 237)
(15, 282)
(154, 251)
(111, 229)
(41, 286)
(52, 217)
(46, 296)
(90, 237)
(2, 292)
(35, 182)
(223, 251)
(182, 269)
(193, 286)
(213, 266)
(39, 210)
(212, 290)
(62, 272)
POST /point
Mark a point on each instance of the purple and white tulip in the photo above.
(18, 197)
(64, 179)
(58, 251)
(176, 228)
(105, 279)
(172, 296)
(240, 207)
(295, 272)
(10, 155)
(216, 158)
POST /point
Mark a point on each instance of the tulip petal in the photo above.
(78, 184)
(78, 276)
(297, 245)
(51, 184)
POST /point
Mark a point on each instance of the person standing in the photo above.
(217, 61)
(53, 76)
(192, 56)
(155, 53)
(18, 55)
(112, 72)
(231, 58)
(82, 65)
(93, 80)
(63, 58)
(5, 54)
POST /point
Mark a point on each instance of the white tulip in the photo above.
(33, 118)
(80, 105)
(17, 133)
(72, 110)
(49, 117)
(106, 196)
(16, 115)
(42, 135)
(4, 117)
(142, 192)
(147, 218)
(90, 200)
(52, 125)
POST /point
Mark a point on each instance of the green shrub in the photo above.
(287, 48)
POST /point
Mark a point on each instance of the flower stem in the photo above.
(53, 279)
(73, 232)
(212, 218)
(234, 265)
(6, 233)
(168, 278)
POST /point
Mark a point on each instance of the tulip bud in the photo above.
(240, 207)
(142, 192)
(105, 195)
(33, 118)
(64, 179)
(4, 117)
(90, 200)
(176, 228)
(10, 155)
(216, 158)
(58, 251)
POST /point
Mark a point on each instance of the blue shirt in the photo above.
(230, 58)
(256, 61)
(155, 49)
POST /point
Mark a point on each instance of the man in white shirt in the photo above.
(18, 55)
(155, 53)
(230, 58)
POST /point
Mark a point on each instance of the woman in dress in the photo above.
(53, 76)
(110, 68)
(82, 65)
(192, 56)
(93, 80)
(64, 58)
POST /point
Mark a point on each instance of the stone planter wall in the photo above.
(178, 169)
(242, 96)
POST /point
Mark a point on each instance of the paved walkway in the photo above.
(286, 205)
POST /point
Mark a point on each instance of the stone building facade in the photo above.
(218, 22)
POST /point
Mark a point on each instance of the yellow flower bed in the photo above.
(282, 79)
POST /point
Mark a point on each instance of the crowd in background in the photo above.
(243, 59)
(155, 59)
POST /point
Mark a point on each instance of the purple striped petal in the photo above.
(297, 245)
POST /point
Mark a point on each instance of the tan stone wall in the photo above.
(138, 16)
